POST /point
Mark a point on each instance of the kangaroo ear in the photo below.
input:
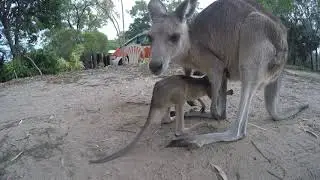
(186, 9)
(156, 9)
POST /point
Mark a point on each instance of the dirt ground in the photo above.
(51, 126)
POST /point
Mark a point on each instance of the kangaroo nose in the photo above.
(155, 67)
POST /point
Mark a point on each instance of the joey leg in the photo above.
(179, 120)
(191, 103)
(203, 106)
(234, 133)
(166, 119)
(180, 126)
(187, 71)
(218, 98)
(237, 129)
(185, 131)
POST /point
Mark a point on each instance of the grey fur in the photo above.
(237, 36)
(173, 90)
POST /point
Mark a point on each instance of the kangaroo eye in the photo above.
(174, 38)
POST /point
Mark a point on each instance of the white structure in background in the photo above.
(134, 52)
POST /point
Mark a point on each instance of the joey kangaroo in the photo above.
(173, 90)
(189, 72)
(236, 35)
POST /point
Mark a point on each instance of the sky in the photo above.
(127, 5)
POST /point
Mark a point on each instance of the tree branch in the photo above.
(34, 64)
(69, 23)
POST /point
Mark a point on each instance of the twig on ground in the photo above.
(23, 138)
(257, 126)
(305, 129)
(125, 130)
(274, 175)
(9, 125)
(221, 175)
(312, 133)
(138, 103)
(254, 144)
(16, 157)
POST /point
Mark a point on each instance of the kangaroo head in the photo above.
(168, 33)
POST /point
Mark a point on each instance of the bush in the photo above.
(21, 66)
(63, 65)
(46, 61)
(15, 68)
(74, 61)
(5, 73)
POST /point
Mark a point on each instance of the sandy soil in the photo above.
(51, 126)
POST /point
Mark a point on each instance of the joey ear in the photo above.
(156, 9)
(186, 9)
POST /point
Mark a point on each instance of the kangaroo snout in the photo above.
(156, 67)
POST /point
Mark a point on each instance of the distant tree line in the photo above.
(51, 36)
(302, 18)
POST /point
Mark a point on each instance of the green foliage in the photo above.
(17, 67)
(63, 41)
(278, 7)
(63, 65)
(80, 15)
(5, 75)
(172, 4)
(25, 19)
(141, 20)
(46, 61)
(113, 44)
(140, 14)
(71, 30)
(94, 42)
(74, 62)
(22, 66)
(302, 18)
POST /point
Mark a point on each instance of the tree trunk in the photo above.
(6, 32)
(312, 62)
(6, 26)
(317, 60)
(123, 35)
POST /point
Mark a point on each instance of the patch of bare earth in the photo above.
(51, 126)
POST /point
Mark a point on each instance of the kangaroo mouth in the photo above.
(158, 67)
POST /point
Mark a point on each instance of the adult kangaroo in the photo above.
(237, 36)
